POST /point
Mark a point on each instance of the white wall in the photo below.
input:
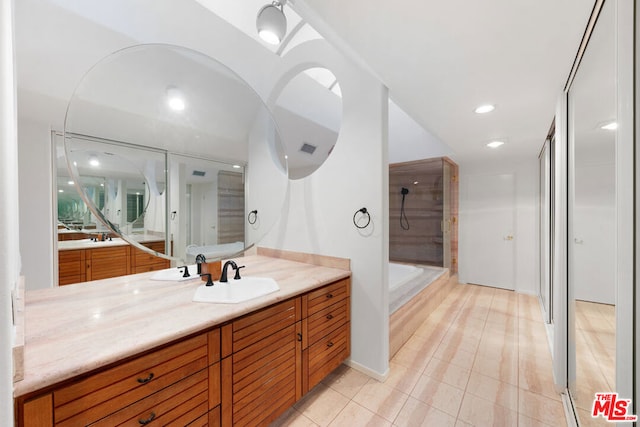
(36, 203)
(321, 206)
(9, 209)
(526, 226)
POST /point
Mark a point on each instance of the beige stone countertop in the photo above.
(74, 329)
(69, 245)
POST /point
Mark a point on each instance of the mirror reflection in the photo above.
(168, 145)
(592, 210)
(309, 114)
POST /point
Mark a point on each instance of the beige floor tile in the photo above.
(461, 358)
(524, 421)
(440, 395)
(401, 378)
(488, 388)
(503, 368)
(415, 413)
(449, 373)
(540, 407)
(381, 399)
(293, 418)
(539, 380)
(346, 381)
(322, 404)
(586, 420)
(354, 415)
(483, 413)
(411, 358)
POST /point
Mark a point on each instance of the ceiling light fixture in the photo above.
(610, 126)
(486, 108)
(495, 144)
(271, 22)
(93, 161)
(175, 99)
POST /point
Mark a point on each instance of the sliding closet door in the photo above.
(600, 323)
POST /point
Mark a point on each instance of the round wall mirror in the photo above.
(163, 142)
(309, 114)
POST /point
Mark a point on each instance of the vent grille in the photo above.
(308, 148)
(198, 173)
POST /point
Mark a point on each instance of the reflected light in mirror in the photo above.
(175, 99)
(495, 144)
(610, 126)
(486, 108)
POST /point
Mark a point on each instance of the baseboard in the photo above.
(369, 372)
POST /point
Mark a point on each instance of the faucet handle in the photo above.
(186, 271)
(209, 282)
(237, 276)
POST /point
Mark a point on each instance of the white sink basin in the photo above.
(235, 291)
(175, 274)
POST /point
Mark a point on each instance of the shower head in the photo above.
(404, 191)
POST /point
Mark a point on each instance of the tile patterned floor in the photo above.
(595, 357)
(480, 359)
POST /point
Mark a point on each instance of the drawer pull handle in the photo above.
(329, 316)
(329, 295)
(148, 420)
(299, 337)
(146, 380)
(329, 344)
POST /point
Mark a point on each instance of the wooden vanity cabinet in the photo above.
(81, 265)
(112, 261)
(175, 385)
(141, 261)
(247, 372)
(327, 328)
(261, 370)
(71, 267)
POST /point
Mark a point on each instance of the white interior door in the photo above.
(489, 239)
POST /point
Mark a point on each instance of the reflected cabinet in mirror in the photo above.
(592, 221)
(170, 155)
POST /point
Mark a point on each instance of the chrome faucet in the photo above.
(223, 276)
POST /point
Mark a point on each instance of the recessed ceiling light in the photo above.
(61, 191)
(236, 166)
(495, 144)
(486, 108)
(93, 161)
(175, 99)
(70, 182)
(415, 182)
(610, 126)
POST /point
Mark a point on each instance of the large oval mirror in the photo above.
(309, 115)
(152, 128)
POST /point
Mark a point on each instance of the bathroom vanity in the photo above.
(85, 260)
(142, 352)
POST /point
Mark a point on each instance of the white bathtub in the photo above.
(406, 281)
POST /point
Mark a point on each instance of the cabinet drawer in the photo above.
(326, 320)
(68, 280)
(328, 295)
(328, 353)
(253, 327)
(101, 394)
(110, 252)
(176, 405)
